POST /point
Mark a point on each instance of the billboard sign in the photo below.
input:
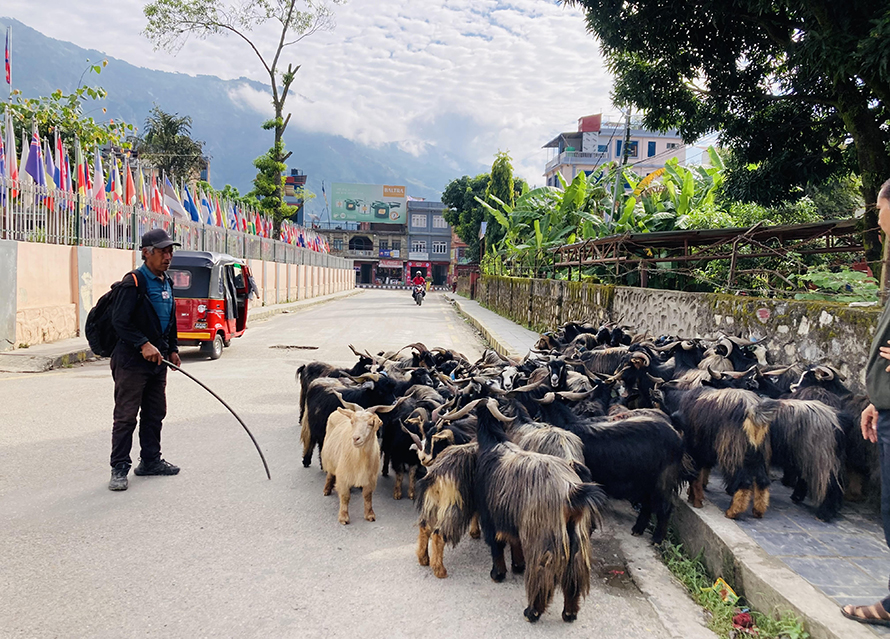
(380, 203)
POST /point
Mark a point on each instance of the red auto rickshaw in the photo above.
(211, 291)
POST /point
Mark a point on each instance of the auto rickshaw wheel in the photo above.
(215, 348)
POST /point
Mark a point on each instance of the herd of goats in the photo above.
(527, 452)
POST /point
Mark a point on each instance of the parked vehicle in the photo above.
(212, 291)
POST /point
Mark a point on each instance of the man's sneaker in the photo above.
(159, 467)
(118, 479)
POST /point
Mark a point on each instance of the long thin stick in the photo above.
(221, 401)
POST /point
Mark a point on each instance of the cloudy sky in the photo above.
(470, 77)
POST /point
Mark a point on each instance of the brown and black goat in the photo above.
(539, 505)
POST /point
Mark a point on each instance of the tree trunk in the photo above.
(874, 163)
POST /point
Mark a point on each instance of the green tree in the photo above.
(69, 115)
(500, 192)
(787, 83)
(463, 212)
(171, 22)
(168, 145)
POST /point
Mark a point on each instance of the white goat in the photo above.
(351, 456)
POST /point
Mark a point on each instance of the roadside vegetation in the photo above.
(728, 617)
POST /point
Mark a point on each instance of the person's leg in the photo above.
(154, 409)
(128, 387)
(879, 613)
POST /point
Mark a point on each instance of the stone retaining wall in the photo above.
(794, 331)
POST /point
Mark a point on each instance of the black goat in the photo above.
(638, 458)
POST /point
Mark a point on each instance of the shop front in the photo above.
(413, 268)
(389, 272)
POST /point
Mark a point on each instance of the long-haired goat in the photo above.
(540, 506)
(352, 456)
(729, 427)
(808, 443)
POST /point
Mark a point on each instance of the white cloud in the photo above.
(469, 77)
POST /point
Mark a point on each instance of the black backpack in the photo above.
(98, 329)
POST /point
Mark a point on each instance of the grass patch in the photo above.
(692, 573)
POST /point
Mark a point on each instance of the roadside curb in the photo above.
(29, 363)
(497, 342)
(765, 582)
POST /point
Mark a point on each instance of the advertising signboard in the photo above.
(380, 203)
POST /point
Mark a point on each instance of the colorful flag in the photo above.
(50, 166)
(130, 196)
(157, 203)
(35, 167)
(171, 201)
(189, 204)
(59, 167)
(23, 162)
(82, 169)
(12, 171)
(8, 56)
(140, 188)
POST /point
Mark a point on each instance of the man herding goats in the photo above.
(145, 321)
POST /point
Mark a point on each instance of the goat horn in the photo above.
(442, 377)
(413, 436)
(386, 408)
(494, 409)
(837, 373)
(654, 379)
(641, 356)
(366, 377)
(727, 344)
(667, 347)
(777, 371)
(450, 417)
(529, 387)
(823, 373)
(618, 375)
(573, 396)
(717, 375)
(354, 352)
(347, 405)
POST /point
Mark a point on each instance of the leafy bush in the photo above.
(844, 285)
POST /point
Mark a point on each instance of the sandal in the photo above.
(874, 614)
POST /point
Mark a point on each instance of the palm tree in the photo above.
(167, 143)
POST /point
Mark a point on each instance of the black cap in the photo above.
(158, 238)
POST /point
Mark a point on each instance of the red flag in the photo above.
(130, 196)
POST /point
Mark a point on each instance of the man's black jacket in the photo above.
(136, 322)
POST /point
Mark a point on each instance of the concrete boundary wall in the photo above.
(47, 290)
(800, 332)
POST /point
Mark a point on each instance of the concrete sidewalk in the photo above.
(787, 561)
(67, 352)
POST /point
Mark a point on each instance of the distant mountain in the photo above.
(230, 129)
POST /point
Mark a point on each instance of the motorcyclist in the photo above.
(419, 281)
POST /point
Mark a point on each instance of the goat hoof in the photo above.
(343, 520)
(440, 572)
(797, 498)
(411, 495)
(517, 569)
(326, 492)
(397, 495)
(370, 517)
(385, 473)
(424, 561)
(758, 514)
(569, 617)
(531, 614)
(497, 576)
(475, 534)
(636, 532)
(307, 463)
(730, 515)
(696, 503)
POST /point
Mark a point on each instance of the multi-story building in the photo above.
(595, 143)
(429, 237)
(379, 250)
(293, 193)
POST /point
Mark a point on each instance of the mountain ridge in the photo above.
(229, 128)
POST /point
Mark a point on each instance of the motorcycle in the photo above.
(417, 293)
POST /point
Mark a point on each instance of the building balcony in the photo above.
(575, 157)
(359, 253)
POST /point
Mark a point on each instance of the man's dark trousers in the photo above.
(884, 447)
(137, 384)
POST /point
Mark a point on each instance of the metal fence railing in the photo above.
(33, 213)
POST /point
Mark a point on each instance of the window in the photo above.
(618, 147)
(338, 244)
(418, 219)
(440, 247)
(651, 150)
(396, 245)
(602, 148)
(633, 149)
(418, 246)
(671, 146)
(439, 222)
(180, 279)
(384, 245)
(359, 243)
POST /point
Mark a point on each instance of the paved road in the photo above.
(219, 551)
